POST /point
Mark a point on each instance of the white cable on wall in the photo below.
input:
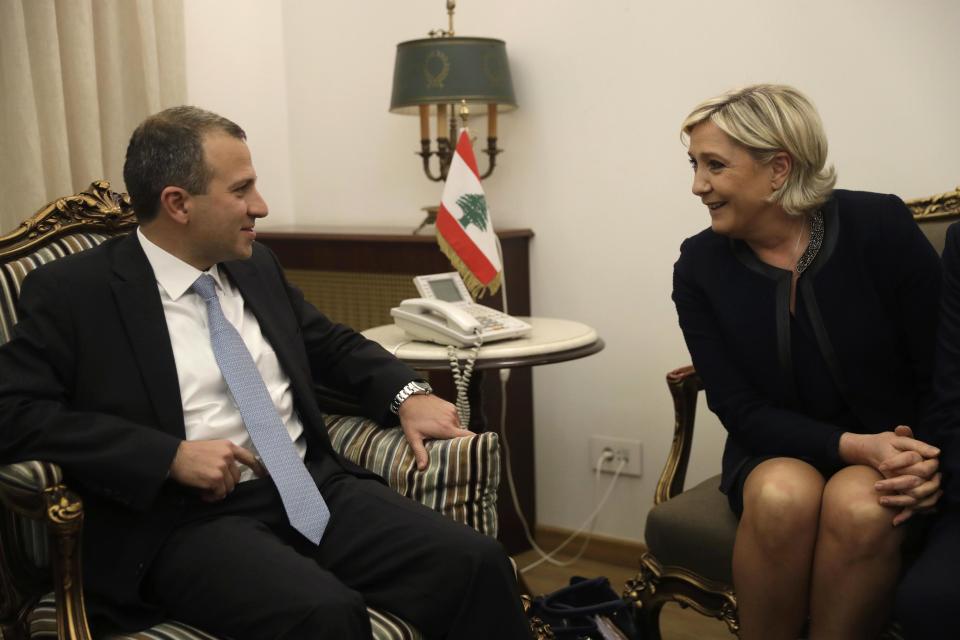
(590, 521)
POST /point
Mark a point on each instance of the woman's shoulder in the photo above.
(702, 248)
(880, 226)
(867, 205)
(704, 242)
(872, 214)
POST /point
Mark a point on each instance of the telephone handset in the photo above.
(446, 314)
(436, 321)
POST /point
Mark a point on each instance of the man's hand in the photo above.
(212, 466)
(915, 485)
(427, 417)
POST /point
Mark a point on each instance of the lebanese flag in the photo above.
(464, 230)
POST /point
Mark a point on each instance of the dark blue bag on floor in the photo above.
(588, 609)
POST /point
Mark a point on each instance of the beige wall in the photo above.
(236, 67)
(593, 164)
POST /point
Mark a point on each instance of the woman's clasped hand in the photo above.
(910, 468)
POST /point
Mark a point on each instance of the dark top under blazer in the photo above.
(942, 425)
(871, 295)
(90, 382)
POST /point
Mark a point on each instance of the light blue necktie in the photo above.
(305, 506)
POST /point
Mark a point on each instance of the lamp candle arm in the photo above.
(426, 153)
(491, 152)
(445, 144)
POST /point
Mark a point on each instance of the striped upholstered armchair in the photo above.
(41, 518)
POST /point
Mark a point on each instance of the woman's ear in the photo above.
(780, 165)
(175, 204)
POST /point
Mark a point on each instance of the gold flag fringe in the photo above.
(476, 288)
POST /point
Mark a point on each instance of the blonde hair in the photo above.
(767, 119)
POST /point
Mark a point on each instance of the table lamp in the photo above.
(445, 76)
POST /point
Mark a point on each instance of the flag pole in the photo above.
(464, 114)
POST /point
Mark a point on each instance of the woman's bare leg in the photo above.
(857, 559)
(773, 552)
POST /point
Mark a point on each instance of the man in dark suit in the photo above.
(171, 374)
(929, 593)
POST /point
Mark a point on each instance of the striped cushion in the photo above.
(42, 623)
(460, 482)
(13, 273)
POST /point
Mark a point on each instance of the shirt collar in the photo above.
(172, 273)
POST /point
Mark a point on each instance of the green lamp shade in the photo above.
(447, 70)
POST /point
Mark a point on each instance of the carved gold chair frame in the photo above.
(656, 585)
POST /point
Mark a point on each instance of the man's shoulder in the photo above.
(81, 266)
(262, 254)
(262, 260)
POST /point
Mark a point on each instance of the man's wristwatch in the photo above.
(413, 388)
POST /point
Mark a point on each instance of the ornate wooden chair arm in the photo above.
(35, 490)
(684, 384)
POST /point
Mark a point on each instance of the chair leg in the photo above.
(642, 591)
(654, 587)
(648, 619)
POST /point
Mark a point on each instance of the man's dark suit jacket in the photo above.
(872, 297)
(942, 425)
(89, 382)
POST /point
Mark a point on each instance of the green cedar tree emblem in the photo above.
(474, 207)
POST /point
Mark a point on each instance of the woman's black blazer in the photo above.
(872, 297)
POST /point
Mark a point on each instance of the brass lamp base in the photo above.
(431, 218)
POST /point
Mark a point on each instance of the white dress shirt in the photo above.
(209, 412)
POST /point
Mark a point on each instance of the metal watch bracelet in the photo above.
(412, 388)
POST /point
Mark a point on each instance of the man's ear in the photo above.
(780, 166)
(175, 204)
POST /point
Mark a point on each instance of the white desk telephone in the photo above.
(446, 314)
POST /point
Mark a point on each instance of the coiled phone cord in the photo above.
(461, 377)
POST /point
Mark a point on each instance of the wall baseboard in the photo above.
(618, 551)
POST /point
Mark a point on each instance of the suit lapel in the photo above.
(140, 308)
(269, 303)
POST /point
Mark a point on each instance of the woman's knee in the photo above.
(781, 501)
(853, 517)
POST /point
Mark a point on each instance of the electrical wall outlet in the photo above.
(628, 451)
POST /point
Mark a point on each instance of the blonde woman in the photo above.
(810, 314)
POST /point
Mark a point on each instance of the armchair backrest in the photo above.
(67, 225)
(63, 227)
